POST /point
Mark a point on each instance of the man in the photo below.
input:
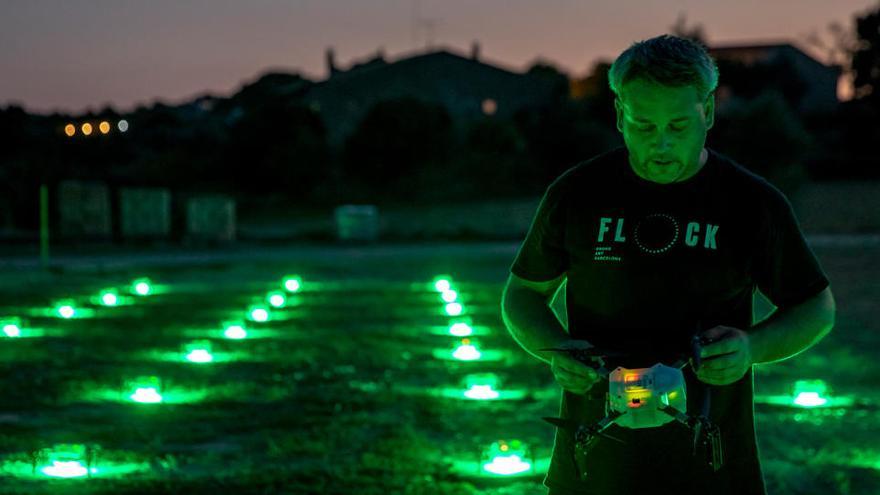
(659, 240)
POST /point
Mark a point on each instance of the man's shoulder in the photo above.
(736, 177)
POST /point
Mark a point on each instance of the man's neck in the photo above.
(704, 157)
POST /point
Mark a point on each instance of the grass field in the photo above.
(350, 386)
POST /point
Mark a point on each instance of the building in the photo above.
(821, 80)
(466, 86)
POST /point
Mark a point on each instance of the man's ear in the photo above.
(710, 110)
(618, 109)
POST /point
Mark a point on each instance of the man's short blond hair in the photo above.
(667, 60)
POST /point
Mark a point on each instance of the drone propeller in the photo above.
(706, 433)
(587, 353)
(574, 427)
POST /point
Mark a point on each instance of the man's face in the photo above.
(663, 123)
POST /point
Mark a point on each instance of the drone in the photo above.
(642, 398)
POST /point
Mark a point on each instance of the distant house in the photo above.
(821, 79)
(466, 86)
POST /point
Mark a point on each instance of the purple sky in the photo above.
(70, 55)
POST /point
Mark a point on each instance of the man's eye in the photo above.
(679, 128)
(645, 128)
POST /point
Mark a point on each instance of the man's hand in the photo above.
(727, 359)
(573, 375)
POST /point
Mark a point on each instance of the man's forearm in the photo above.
(531, 322)
(791, 331)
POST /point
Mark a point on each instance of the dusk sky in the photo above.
(69, 55)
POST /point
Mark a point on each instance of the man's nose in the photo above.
(663, 143)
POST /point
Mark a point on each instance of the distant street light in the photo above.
(70, 130)
(104, 127)
(87, 129)
(122, 125)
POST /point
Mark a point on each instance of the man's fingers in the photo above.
(576, 367)
(579, 376)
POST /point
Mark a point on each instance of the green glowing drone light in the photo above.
(146, 395)
(504, 458)
(481, 386)
(147, 389)
(481, 379)
(449, 296)
(500, 464)
(460, 329)
(66, 469)
(11, 327)
(454, 309)
(235, 332)
(109, 297)
(199, 356)
(74, 461)
(66, 311)
(198, 351)
(258, 313)
(276, 299)
(810, 393)
(481, 392)
(142, 287)
(442, 283)
(292, 283)
(507, 465)
(67, 461)
(466, 351)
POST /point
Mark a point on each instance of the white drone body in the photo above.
(639, 395)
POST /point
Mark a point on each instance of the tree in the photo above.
(765, 135)
(392, 142)
(278, 146)
(696, 33)
(492, 161)
(866, 58)
(557, 79)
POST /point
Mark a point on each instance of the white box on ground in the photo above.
(357, 222)
(211, 217)
(84, 209)
(145, 212)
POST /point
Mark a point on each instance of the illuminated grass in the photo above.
(466, 350)
(73, 463)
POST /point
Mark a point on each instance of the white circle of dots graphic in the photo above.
(675, 233)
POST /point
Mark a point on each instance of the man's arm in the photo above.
(790, 331)
(526, 312)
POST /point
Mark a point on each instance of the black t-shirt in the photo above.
(646, 264)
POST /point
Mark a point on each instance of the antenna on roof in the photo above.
(419, 23)
(429, 25)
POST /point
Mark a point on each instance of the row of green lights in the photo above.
(501, 458)
(67, 308)
(201, 351)
(147, 390)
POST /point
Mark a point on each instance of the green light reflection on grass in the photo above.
(789, 400)
(106, 468)
(537, 467)
(173, 395)
(484, 355)
(478, 394)
(181, 357)
(219, 333)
